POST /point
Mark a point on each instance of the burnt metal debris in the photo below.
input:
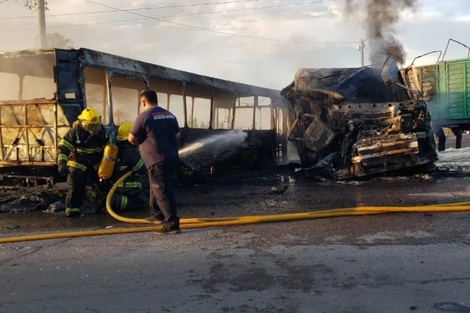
(354, 122)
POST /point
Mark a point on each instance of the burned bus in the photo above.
(43, 91)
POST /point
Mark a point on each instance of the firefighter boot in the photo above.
(72, 212)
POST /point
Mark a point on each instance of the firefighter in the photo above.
(80, 153)
(132, 194)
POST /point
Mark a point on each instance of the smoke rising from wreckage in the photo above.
(355, 122)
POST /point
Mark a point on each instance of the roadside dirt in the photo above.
(234, 193)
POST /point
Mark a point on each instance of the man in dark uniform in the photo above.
(132, 193)
(80, 153)
(156, 133)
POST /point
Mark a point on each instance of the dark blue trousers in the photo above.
(162, 200)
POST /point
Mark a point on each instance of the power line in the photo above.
(196, 28)
(195, 4)
(248, 9)
(177, 15)
(221, 32)
(134, 9)
(224, 33)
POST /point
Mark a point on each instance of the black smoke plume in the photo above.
(378, 17)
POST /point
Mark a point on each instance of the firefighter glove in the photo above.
(63, 169)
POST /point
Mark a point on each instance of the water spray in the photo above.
(218, 141)
(207, 151)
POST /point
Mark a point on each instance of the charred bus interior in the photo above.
(223, 123)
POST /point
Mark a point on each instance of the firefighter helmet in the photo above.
(90, 119)
(89, 115)
(123, 131)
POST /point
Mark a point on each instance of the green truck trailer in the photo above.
(445, 87)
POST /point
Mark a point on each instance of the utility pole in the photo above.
(41, 7)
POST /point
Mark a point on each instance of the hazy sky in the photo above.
(259, 42)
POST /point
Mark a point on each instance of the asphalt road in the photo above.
(397, 262)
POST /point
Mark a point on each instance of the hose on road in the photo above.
(189, 223)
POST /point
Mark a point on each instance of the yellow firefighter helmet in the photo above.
(90, 119)
(90, 115)
(123, 131)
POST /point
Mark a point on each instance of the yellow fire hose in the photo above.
(188, 223)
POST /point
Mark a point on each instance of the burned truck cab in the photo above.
(354, 122)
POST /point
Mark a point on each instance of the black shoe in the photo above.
(168, 231)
